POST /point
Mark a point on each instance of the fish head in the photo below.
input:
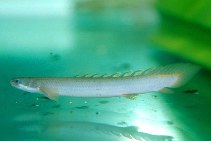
(25, 84)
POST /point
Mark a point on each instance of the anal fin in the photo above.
(166, 90)
(131, 96)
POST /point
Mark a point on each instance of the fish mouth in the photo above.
(13, 83)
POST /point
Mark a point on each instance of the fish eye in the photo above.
(16, 80)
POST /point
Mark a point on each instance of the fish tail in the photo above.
(132, 132)
(175, 75)
(182, 71)
(185, 73)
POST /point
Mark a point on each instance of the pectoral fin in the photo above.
(50, 93)
(131, 96)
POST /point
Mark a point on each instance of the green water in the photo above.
(87, 40)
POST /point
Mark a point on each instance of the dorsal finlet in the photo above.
(87, 75)
(146, 71)
(117, 74)
(126, 74)
(94, 75)
(77, 76)
(138, 72)
(104, 75)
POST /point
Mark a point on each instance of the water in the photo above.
(101, 40)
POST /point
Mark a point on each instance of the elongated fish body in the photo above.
(151, 80)
(89, 131)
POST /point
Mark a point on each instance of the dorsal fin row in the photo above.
(117, 74)
(184, 69)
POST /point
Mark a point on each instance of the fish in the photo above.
(90, 131)
(158, 79)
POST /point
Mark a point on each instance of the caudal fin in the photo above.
(185, 73)
(182, 71)
(132, 132)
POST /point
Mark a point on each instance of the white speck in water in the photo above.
(70, 102)
(85, 102)
(34, 105)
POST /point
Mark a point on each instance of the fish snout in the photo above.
(14, 82)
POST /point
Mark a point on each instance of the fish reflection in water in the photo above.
(92, 131)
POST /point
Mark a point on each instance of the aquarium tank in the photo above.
(67, 38)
